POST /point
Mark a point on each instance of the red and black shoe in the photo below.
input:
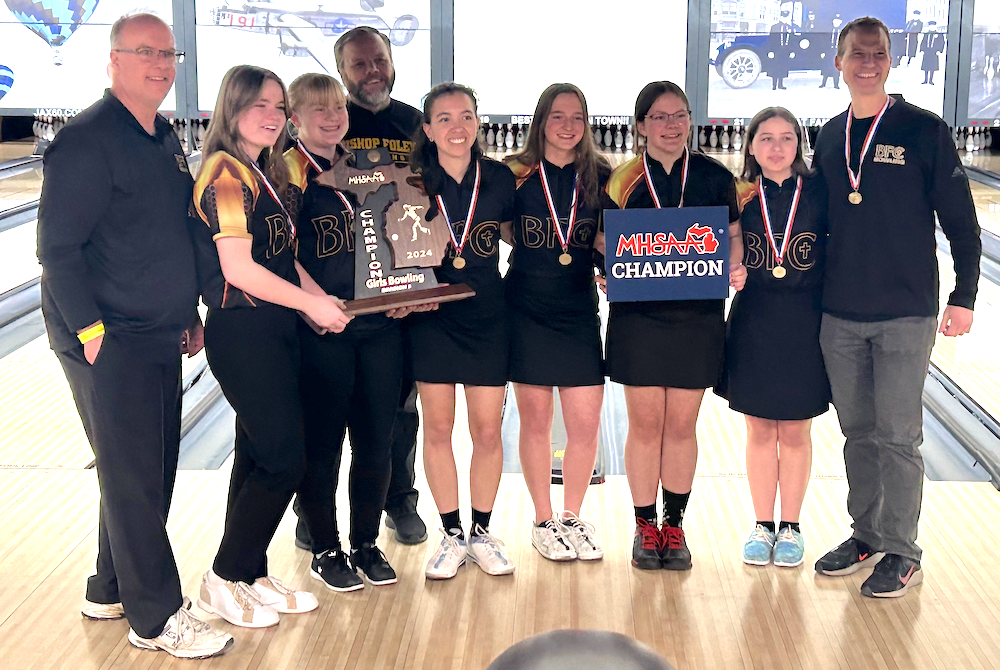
(675, 553)
(893, 577)
(848, 558)
(646, 545)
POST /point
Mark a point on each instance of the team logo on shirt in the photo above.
(886, 153)
(182, 163)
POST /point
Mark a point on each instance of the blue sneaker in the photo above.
(758, 547)
(789, 549)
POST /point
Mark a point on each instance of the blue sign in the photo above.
(667, 254)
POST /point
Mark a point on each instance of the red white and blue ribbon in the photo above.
(649, 179)
(468, 217)
(312, 161)
(779, 256)
(855, 179)
(563, 239)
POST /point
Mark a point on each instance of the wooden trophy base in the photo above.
(384, 303)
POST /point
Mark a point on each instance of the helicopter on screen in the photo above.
(310, 29)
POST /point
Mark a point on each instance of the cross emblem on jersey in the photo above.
(804, 249)
(410, 212)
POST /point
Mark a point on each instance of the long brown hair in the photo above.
(241, 88)
(587, 162)
(751, 168)
(424, 156)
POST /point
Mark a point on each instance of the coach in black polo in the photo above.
(119, 290)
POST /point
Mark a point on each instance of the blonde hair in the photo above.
(240, 89)
(314, 88)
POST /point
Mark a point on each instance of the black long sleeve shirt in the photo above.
(113, 235)
(881, 261)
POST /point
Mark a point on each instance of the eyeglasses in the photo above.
(682, 116)
(150, 55)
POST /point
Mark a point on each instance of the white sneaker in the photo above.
(447, 558)
(185, 636)
(101, 611)
(583, 536)
(551, 542)
(236, 602)
(487, 552)
(272, 592)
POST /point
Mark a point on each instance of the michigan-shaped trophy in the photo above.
(395, 247)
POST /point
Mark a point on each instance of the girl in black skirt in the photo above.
(253, 286)
(667, 353)
(464, 342)
(774, 371)
(350, 380)
(552, 301)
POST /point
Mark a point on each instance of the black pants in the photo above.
(402, 494)
(349, 380)
(254, 353)
(131, 411)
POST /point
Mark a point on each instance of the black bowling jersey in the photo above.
(230, 198)
(392, 128)
(803, 260)
(537, 247)
(494, 206)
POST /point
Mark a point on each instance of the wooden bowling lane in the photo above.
(721, 614)
(15, 149)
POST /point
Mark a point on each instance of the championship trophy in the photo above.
(395, 247)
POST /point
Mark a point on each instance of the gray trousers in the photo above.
(877, 372)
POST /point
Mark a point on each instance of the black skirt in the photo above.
(555, 330)
(672, 344)
(774, 367)
(462, 342)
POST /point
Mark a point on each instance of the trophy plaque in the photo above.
(395, 248)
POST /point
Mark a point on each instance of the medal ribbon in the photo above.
(855, 179)
(312, 161)
(779, 255)
(563, 239)
(274, 196)
(468, 217)
(649, 179)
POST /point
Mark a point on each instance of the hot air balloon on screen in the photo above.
(6, 80)
(52, 20)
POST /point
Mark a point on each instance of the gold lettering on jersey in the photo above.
(331, 238)
(753, 250)
(278, 234)
(886, 153)
(483, 238)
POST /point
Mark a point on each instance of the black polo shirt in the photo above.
(537, 246)
(393, 128)
(112, 232)
(881, 254)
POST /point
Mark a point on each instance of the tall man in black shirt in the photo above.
(118, 291)
(364, 61)
(880, 301)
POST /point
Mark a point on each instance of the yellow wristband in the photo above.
(91, 333)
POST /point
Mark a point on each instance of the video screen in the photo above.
(984, 78)
(781, 52)
(511, 53)
(54, 54)
(290, 37)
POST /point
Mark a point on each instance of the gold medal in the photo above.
(374, 156)
(779, 272)
(565, 258)
(458, 262)
(854, 198)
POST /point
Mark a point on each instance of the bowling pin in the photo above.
(509, 139)
(619, 139)
(482, 134)
(737, 138)
(608, 139)
(970, 143)
(597, 136)
(725, 138)
(519, 138)
(713, 139)
(490, 136)
(702, 138)
(629, 139)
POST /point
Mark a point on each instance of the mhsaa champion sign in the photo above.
(667, 254)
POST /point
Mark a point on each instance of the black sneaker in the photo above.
(675, 553)
(893, 577)
(646, 546)
(331, 568)
(303, 539)
(409, 527)
(847, 559)
(371, 561)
